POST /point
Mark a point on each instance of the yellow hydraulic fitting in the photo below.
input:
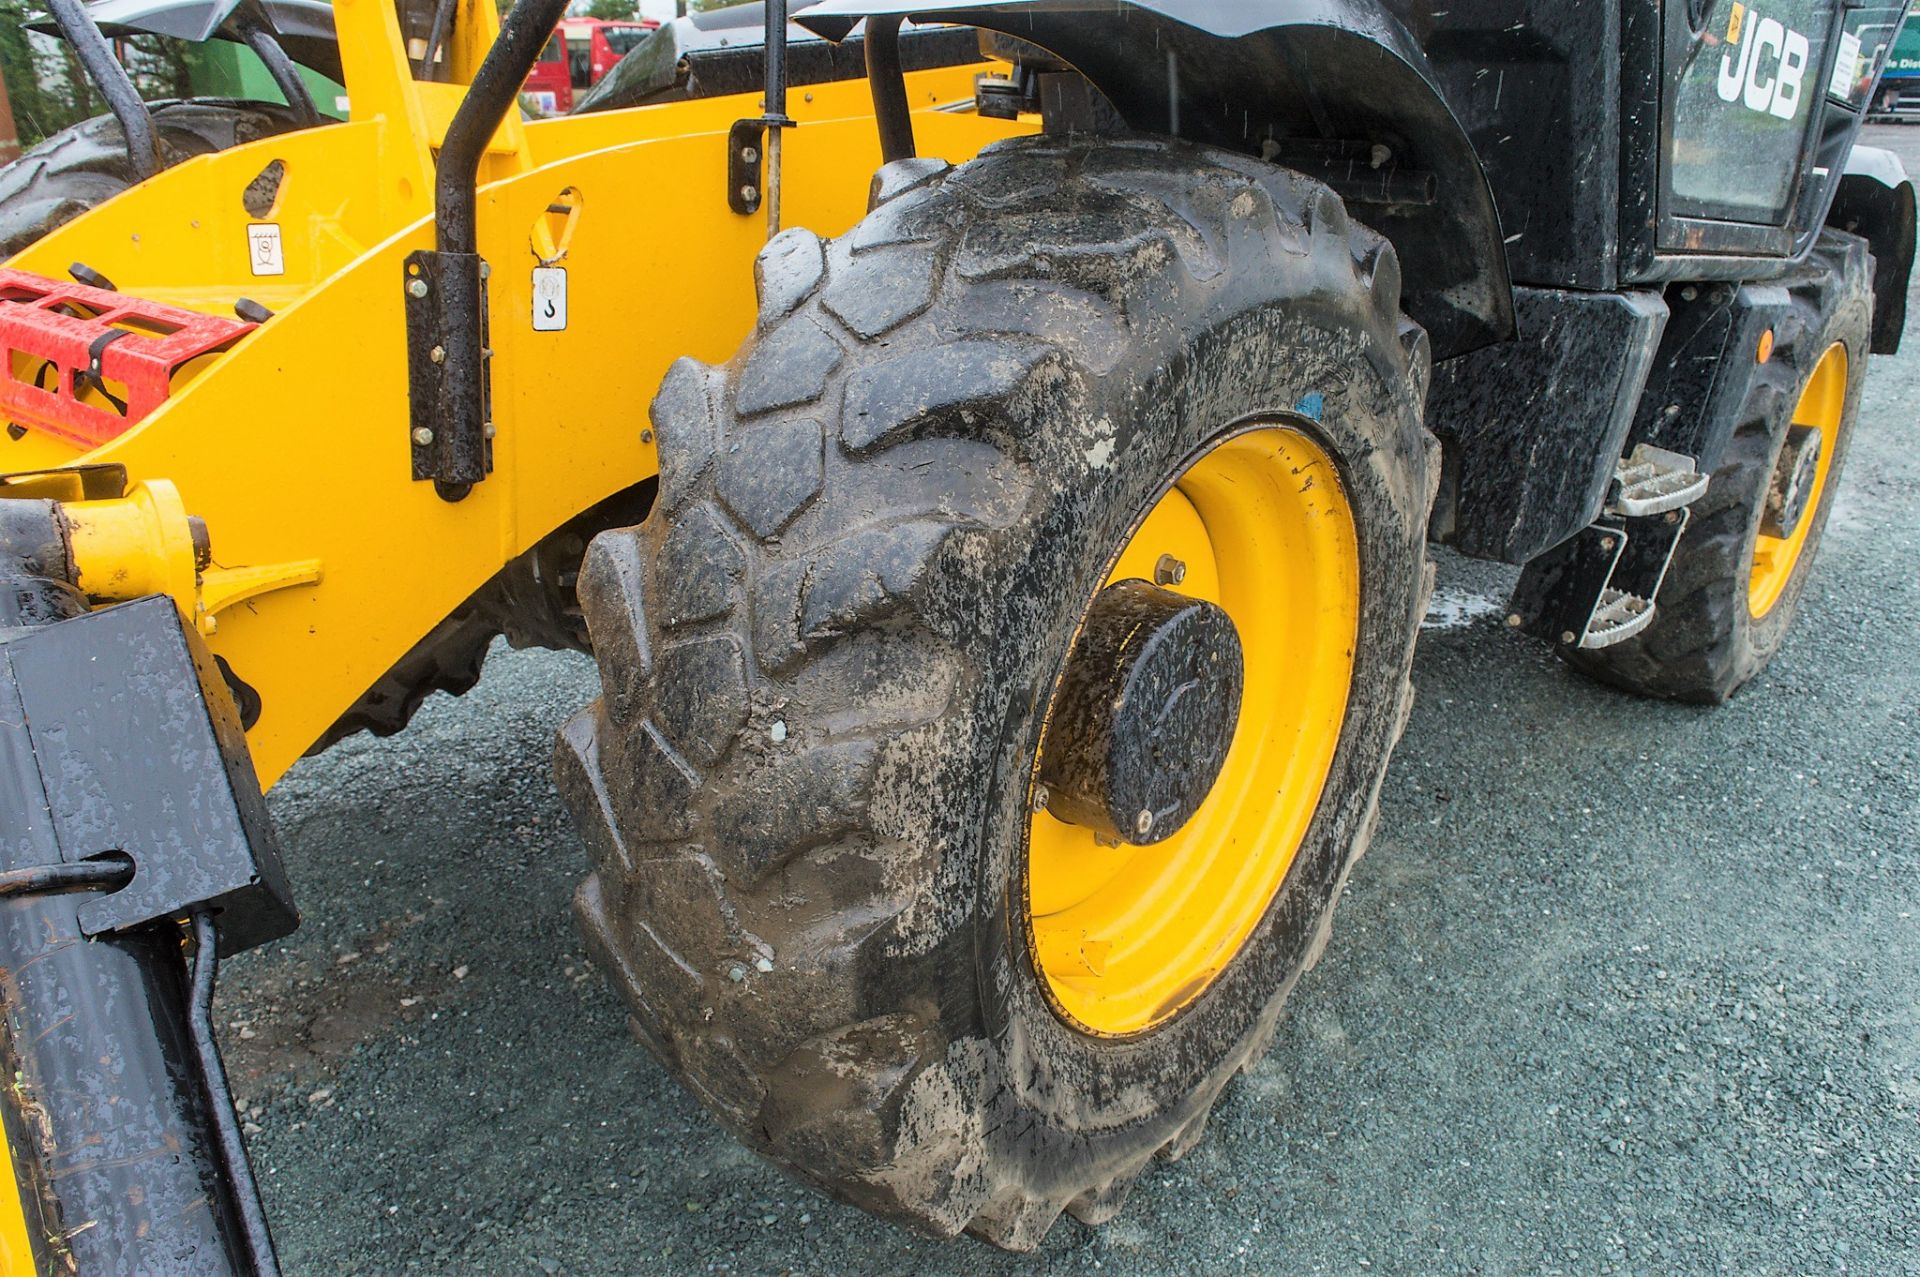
(139, 544)
(146, 543)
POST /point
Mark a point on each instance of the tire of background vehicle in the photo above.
(826, 657)
(1704, 642)
(86, 165)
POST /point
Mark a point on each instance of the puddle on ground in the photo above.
(1456, 609)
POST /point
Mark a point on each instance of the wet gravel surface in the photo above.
(1622, 987)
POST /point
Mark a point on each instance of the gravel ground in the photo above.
(1622, 987)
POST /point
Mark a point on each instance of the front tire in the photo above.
(827, 659)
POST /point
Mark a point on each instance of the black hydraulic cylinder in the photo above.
(106, 1116)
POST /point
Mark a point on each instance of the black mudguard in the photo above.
(1875, 201)
(1336, 89)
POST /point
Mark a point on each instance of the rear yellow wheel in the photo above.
(1821, 407)
(1126, 935)
(1734, 584)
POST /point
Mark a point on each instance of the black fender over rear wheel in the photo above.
(826, 658)
(86, 165)
(1715, 627)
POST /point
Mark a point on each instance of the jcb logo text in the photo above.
(1765, 69)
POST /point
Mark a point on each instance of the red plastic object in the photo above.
(133, 346)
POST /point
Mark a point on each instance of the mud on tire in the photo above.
(825, 657)
(1704, 643)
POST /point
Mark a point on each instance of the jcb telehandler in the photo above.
(1004, 611)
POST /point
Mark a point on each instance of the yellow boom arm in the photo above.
(328, 561)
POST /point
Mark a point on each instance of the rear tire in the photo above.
(84, 166)
(1706, 641)
(826, 658)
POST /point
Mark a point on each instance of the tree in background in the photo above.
(9, 135)
(48, 90)
(613, 10)
(45, 88)
(161, 68)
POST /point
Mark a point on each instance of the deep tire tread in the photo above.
(820, 1051)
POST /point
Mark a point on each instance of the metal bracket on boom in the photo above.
(449, 380)
(746, 147)
(754, 140)
(449, 386)
(157, 772)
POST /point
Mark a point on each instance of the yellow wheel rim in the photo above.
(16, 1246)
(1125, 936)
(1821, 405)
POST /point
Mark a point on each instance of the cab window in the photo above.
(622, 40)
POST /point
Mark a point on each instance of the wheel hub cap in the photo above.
(1793, 478)
(1144, 714)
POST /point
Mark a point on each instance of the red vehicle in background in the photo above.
(548, 84)
(581, 52)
